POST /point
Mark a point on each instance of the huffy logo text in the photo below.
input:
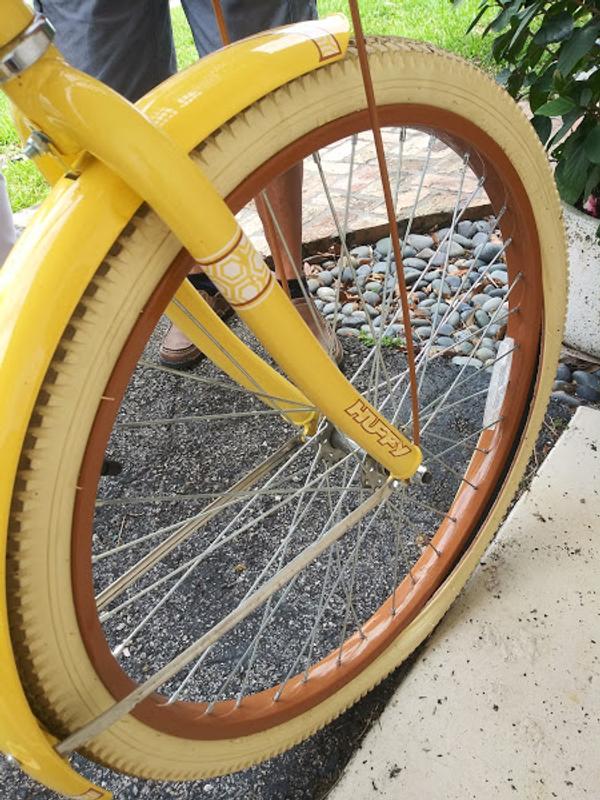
(372, 424)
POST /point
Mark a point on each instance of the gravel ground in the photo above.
(161, 465)
(153, 460)
(308, 771)
(305, 773)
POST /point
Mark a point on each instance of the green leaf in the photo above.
(568, 121)
(556, 108)
(515, 82)
(533, 54)
(555, 28)
(479, 15)
(499, 45)
(585, 96)
(594, 82)
(543, 128)
(575, 48)
(526, 16)
(513, 53)
(504, 17)
(592, 145)
(598, 233)
(572, 171)
(538, 94)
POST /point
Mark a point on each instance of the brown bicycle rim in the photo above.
(258, 711)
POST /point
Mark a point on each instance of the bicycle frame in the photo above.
(40, 286)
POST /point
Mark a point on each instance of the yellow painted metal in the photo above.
(202, 97)
(35, 303)
(41, 285)
(81, 109)
(295, 348)
(191, 314)
(195, 102)
(53, 262)
(15, 16)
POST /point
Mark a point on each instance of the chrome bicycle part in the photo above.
(26, 49)
(37, 144)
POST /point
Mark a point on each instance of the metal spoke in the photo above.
(283, 548)
(113, 591)
(291, 260)
(398, 545)
(324, 601)
(304, 538)
(387, 295)
(453, 441)
(459, 216)
(338, 285)
(230, 621)
(463, 368)
(192, 525)
(196, 322)
(425, 351)
(413, 212)
(220, 384)
(350, 606)
(270, 611)
(194, 418)
(344, 247)
(461, 298)
(483, 428)
(474, 373)
(429, 507)
(449, 235)
(447, 467)
(187, 568)
(454, 403)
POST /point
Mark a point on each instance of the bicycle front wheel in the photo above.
(103, 595)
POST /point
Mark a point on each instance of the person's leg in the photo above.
(128, 46)
(243, 18)
(280, 210)
(7, 228)
(284, 194)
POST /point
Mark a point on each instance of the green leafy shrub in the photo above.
(550, 53)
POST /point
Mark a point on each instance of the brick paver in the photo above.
(367, 208)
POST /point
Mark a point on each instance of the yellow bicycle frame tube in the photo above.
(40, 286)
(192, 315)
(79, 109)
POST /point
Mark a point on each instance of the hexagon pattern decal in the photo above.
(241, 276)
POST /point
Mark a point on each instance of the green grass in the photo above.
(437, 21)
(385, 341)
(184, 41)
(25, 184)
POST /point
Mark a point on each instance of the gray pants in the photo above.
(7, 229)
(129, 45)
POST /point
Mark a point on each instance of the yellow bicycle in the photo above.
(202, 568)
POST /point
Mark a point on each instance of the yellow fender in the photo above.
(48, 270)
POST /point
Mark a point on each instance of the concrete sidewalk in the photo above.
(504, 699)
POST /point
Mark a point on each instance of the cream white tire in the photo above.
(60, 679)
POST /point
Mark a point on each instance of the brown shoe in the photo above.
(320, 329)
(176, 350)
